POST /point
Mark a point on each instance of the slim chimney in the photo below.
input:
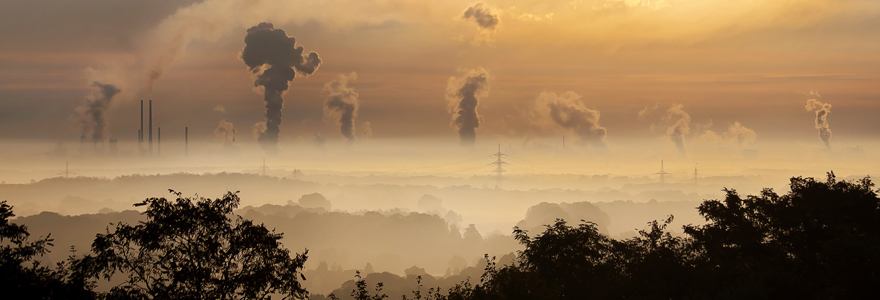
(151, 127)
(141, 132)
(159, 140)
(185, 141)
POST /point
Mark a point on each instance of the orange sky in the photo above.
(752, 62)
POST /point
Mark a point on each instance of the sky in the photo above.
(604, 73)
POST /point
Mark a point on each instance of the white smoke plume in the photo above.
(679, 125)
(569, 112)
(225, 131)
(342, 104)
(822, 110)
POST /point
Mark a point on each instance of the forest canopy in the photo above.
(821, 240)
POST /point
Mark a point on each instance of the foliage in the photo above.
(196, 249)
(819, 241)
(25, 278)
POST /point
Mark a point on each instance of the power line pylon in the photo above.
(662, 173)
(66, 172)
(499, 166)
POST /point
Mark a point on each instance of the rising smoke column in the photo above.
(93, 110)
(679, 122)
(462, 96)
(822, 110)
(276, 59)
(342, 102)
(739, 133)
(225, 131)
(569, 112)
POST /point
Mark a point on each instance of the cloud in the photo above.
(486, 20)
(463, 95)
(342, 103)
(569, 112)
(482, 15)
(219, 108)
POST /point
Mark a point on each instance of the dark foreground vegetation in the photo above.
(819, 241)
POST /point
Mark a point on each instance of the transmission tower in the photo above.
(66, 172)
(499, 166)
(662, 173)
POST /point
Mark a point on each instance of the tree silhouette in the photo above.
(819, 241)
(196, 249)
(36, 281)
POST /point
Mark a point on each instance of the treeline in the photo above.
(819, 241)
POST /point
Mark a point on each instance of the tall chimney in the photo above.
(151, 127)
(159, 140)
(185, 141)
(141, 132)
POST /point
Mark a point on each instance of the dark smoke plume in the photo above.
(342, 102)
(276, 59)
(462, 95)
(822, 110)
(569, 112)
(482, 15)
(92, 111)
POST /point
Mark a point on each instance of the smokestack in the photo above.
(563, 141)
(141, 132)
(185, 141)
(113, 147)
(159, 140)
(151, 127)
(276, 59)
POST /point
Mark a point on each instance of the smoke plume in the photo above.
(481, 14)
(679, 122)
(569, 112)
(342, 102)
(462, 96)
(276, 59)
(739, 133)
(225, 131)
(367, 131)
(822, 110)
(93, 110)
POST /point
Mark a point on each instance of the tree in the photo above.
(819, 241)
(22, 277)
(197, 249)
